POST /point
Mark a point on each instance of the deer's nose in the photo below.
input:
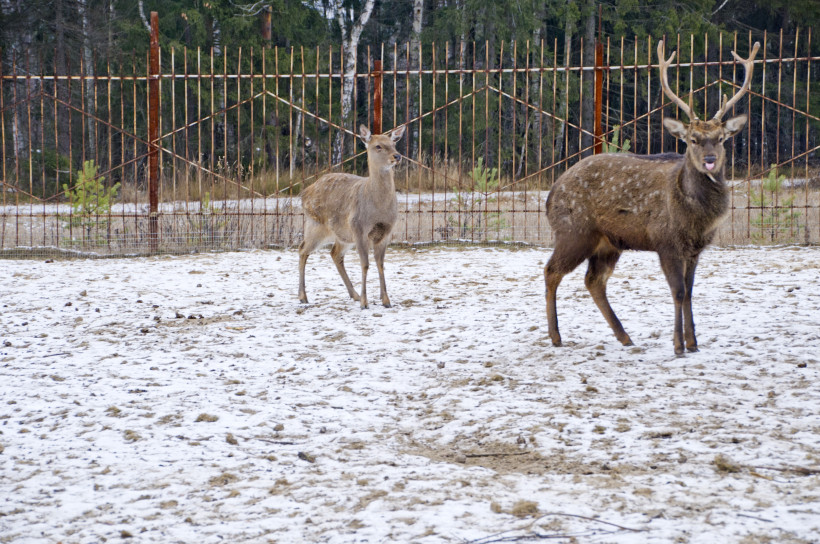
(396, 157)
(709, 162)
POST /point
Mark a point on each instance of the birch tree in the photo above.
(351, 27)
(415, 43)
(570, 17)
(588, 105)
(11, 10)
(88, 65)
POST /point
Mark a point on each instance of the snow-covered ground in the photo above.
(193, 399)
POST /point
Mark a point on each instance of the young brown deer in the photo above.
(670, 204)
(347, 209)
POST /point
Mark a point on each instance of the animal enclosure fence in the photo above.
(199, 150)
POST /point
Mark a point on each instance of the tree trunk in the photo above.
(415, 59)
(110, 22)
(588, 120)
(351, 34)
(534, 98)
(297, 133)
(141, 9)
(564, 106)
(63, 143)
(88, 63)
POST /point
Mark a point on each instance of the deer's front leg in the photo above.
(688, 319)
(673, 268)
(378, 252)
(361, 247)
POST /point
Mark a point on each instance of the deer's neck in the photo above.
(381, 179)
(704, 195)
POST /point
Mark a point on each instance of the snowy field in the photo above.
(194, 400)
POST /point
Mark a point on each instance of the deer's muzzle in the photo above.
(709, 162)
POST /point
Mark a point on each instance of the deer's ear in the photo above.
(734, 125)
(397, 133)
(675, 128)
(364, 133)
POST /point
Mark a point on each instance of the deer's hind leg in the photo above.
(571, 249)
(315, 236)
(337, 253)
(601, 265)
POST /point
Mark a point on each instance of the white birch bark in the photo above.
(351, 34)
(415, 41)
(16, 48)
(88, 62)
(535, 120)
(588, 121)
(143, 17)
(111, 25)
(564, 106)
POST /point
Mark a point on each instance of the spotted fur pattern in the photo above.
(671, 204)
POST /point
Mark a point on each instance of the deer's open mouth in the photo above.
(709, 162)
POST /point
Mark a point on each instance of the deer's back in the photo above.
(348, 204)
(623, 197)
(332, 196)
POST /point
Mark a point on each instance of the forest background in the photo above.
(98, 37)
(59, 32)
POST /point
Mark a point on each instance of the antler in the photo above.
(663, 66)
(748, 65)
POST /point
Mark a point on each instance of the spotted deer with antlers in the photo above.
(349, 210)
(668, 203)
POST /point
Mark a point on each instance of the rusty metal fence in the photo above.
(204, 150)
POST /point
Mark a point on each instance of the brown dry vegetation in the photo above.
(206, 215)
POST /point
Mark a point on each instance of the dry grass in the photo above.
(210, 213)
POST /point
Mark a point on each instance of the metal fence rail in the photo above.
(189, 150)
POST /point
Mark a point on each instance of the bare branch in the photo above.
(721, 6)
(364, 16)
(251, 10)
(143, 17)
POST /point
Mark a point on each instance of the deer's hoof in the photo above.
(679, 352)
(557, 342)
(692, 349)
(303, 299)
(627, 341)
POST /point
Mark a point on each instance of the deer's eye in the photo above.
(378, 147)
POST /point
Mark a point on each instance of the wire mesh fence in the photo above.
(238, 134)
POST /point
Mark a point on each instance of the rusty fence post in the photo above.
(153, 134)
(266, 25)
(599, 95)
(377, 97)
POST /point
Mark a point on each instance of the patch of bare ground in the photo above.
(448, 418)
(517, 459)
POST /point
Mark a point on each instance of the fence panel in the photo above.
(239, 133)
